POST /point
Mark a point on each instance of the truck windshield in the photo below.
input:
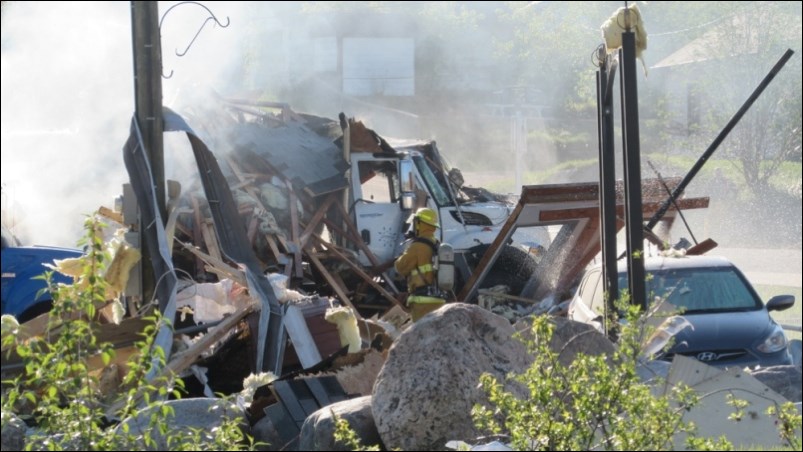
(434, 181)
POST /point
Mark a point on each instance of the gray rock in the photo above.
(785, 380)
(318, 430)
(424, 393)
(571, 338)
(266, 436)
(202, 414)
(13, 434)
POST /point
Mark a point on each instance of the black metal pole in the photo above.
(607, 180)
(634, 217)
(147, 49)
(148, 89)
(718, 140)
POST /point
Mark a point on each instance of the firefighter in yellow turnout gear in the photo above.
(416, 265)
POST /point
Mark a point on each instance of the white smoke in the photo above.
(68, 99)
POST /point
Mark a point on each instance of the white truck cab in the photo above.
(386, 188)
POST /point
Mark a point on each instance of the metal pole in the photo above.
(607, 180)
(148, 89)
(147, 51)
(634, 218)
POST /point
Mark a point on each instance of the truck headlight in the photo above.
(776, 341)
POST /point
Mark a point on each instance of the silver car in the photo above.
(730, 326)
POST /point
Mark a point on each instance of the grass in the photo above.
(791, 316)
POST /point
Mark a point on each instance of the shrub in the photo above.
(56, 385)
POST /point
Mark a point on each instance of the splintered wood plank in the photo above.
(341, 293)
(294, 230)
(109, 213)
(273, 247)
(315, 220)
(220, 267)
(182, 360)
(359, 271)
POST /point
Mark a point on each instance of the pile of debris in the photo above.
(263, 248)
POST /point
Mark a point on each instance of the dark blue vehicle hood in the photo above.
(723, 331)
(20, 265)
(728, 339)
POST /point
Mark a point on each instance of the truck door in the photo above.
(376, 206)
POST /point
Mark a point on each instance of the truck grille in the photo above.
(472, 218)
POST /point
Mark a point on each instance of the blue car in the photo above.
(20, 292)
(730, 325)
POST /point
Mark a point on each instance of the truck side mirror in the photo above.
(407, 186)
(406, 176)
(407, 201)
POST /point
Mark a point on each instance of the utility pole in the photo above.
(147, 46)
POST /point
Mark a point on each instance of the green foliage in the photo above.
(346, 436)
(61, 392)
(769, 134)
(597, 402)
(789, 423)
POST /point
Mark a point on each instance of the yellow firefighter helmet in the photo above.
(428, 216)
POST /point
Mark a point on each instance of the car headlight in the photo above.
(776, 341)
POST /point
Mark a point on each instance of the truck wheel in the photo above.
(35, 311)
(512, 268)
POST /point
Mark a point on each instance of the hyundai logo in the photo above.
(707, 356)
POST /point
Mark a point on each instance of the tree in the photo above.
(739, 52)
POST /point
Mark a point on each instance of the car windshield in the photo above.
(697, 290)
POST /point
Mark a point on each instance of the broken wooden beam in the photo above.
(339, 290)
(294, 234)
(110, 214)
(218, 265)
(315, 220)
(507, 296)
(359, 271)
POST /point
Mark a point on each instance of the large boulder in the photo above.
(785, 380)
(424, 393)
(318, 431)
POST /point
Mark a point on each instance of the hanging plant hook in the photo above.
(211, 17)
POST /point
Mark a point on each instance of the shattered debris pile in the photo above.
(235, 308)
(264, 248)
(286, 176)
